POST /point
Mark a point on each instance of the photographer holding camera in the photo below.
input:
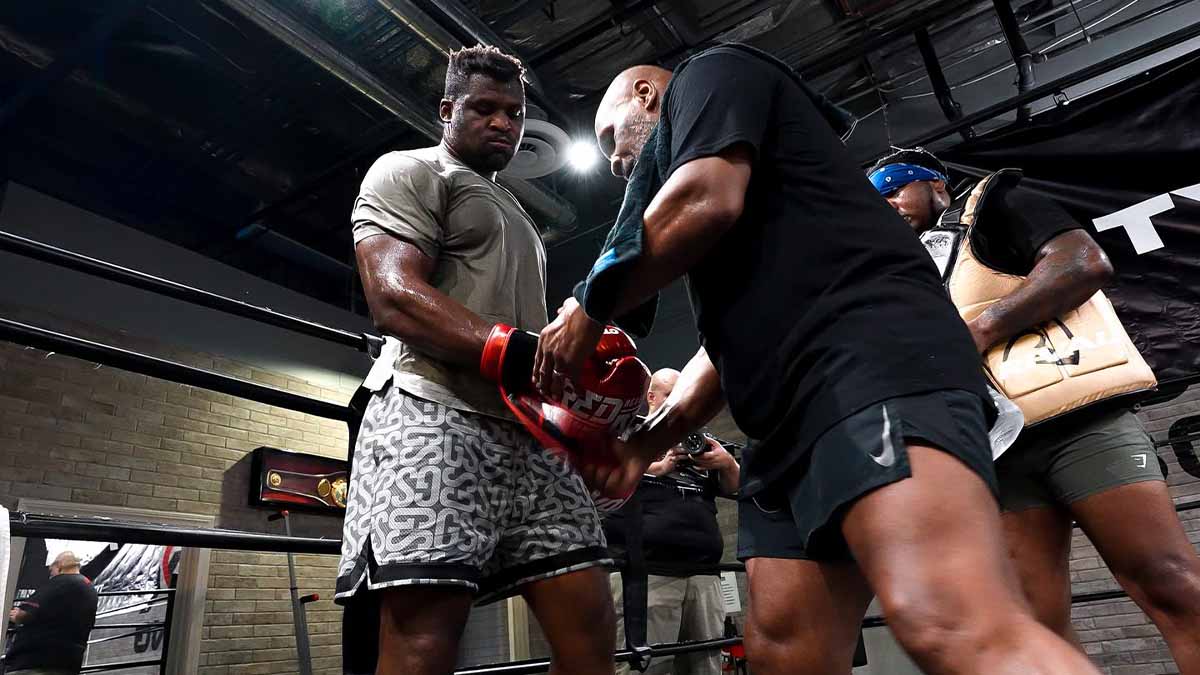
(679, 527)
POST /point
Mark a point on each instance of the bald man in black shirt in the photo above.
(834, 345)
(54, 623)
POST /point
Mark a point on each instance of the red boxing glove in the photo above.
(599, 405)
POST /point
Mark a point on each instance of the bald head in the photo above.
(661, 385)
(629, 110)
(64, 563)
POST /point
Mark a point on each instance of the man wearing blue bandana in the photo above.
(1093, 464)
(824, 328)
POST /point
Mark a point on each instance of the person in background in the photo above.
(1095, 465)
(54, 623)
(679, 527)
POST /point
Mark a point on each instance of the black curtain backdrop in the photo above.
(1135, 141)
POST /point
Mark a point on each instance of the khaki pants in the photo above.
(677, 609)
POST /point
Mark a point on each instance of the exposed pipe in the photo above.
(1078, 77)
(950, 107)
(972, 51)
(1021, 55)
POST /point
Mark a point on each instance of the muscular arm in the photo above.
(395, 277)
(695, 400)
(695, 207)
(1068, 270)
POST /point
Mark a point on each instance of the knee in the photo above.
(1170, 582)
(924, 628)
(780, 642)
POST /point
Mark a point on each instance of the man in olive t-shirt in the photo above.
(451, 501)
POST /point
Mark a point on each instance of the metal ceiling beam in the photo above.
(88, 44)
(587, 31)
(1080, 76)
(416, 20)
(864, 43)
(320, 51)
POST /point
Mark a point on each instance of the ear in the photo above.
(445, 110)
(646, 94)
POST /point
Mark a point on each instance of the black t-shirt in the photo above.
(1010, 239)
(819, 301)
(678, 527)
(62, 614)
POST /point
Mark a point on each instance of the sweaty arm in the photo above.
(395, 276)
(1067, 270)
(700, 201)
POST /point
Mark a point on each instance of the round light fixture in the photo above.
(582, 155)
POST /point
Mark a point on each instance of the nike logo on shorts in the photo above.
(886, 456)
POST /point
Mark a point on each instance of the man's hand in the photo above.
(664, 466)
(12, 614)
(982, 334)
(633, 461)
(563, 347)
(716, 459)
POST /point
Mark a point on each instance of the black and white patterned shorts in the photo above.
(439, 496)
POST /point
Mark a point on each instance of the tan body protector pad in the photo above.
(1079, 358)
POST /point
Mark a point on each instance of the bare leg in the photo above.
(576, 613)
(1039, 543)
(932, 549)
(1137, 532)
(804, 616)
(419, 629)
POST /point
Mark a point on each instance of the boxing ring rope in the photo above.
(41, 338)
(105, 270)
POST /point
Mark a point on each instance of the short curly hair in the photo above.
(481, 60)
(918, 156)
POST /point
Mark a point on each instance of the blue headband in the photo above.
(888, 179)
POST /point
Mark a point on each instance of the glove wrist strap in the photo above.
(516, 369)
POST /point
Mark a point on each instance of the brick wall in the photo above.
(72, 431)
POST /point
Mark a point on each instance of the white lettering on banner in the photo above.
(1136, 219)
(1192, 192)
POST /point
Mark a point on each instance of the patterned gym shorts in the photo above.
(439, 496)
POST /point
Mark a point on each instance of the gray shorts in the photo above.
(1072, 459)
(444, 497)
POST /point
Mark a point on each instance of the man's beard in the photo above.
(639, 131)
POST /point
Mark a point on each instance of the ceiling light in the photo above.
(582, 155)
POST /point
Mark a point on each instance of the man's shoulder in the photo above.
(420, 161)
(736, 56)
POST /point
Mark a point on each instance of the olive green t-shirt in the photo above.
(489, 256)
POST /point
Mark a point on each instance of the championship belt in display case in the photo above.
(280, 477)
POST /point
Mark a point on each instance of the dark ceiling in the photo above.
(241, 128)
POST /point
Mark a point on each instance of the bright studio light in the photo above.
(582, 156)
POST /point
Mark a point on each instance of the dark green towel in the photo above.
(598, 293)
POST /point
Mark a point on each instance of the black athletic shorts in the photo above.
(799, 514)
